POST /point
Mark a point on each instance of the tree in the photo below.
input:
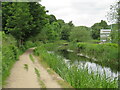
(71, 24)
(24, 20)
(96, 29)
(114, 36)
(65, 31)
(61, 22)
(113, 16)
(52, 19)
(6, 6)
(103, 24)
(18, 23)
(40, 18)
(50, 32)
(79, 35)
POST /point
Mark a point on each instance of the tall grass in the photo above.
(78, 78)
(10, 54)
(105, 53)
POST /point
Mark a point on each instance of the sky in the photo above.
(81, 12)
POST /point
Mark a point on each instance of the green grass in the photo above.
(31, 58)
(104, 53)
(38, 77)
(78, 78)
(26, 67)
(63, 83)
(10, 54)
(41, 83)
(37, 72)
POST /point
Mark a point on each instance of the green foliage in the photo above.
(52, 19)
(65, 32)
(30, 26)
(61, 22)
(96, 29)
(113, 16)
(79, 34)
(54, 46)
(95, 41)
(114, 33)
(104, 53)
(10, 54)
(78, 78)
(18, 23)
(20, 19)
(29, 44)
(50, 32)
(5, 13)
(0, 59)
(40, 18)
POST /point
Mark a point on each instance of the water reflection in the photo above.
(72, 58)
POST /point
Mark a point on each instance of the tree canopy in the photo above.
(78, 34)
(29, 20)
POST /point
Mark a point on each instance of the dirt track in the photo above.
(23, 78)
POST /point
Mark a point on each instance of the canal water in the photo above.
(72, 58)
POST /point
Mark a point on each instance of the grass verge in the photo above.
(60, 81)
(78, 78)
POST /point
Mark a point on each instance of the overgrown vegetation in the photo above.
(103, 53)
(10, 54)
(78, 78)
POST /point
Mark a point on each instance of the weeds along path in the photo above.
(23, 73)
(27, 73)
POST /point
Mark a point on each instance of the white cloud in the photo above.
(81, 12)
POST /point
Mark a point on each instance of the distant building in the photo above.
(105, 35)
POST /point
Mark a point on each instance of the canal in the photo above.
(73, 59)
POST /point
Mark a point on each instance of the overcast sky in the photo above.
(81, 12)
